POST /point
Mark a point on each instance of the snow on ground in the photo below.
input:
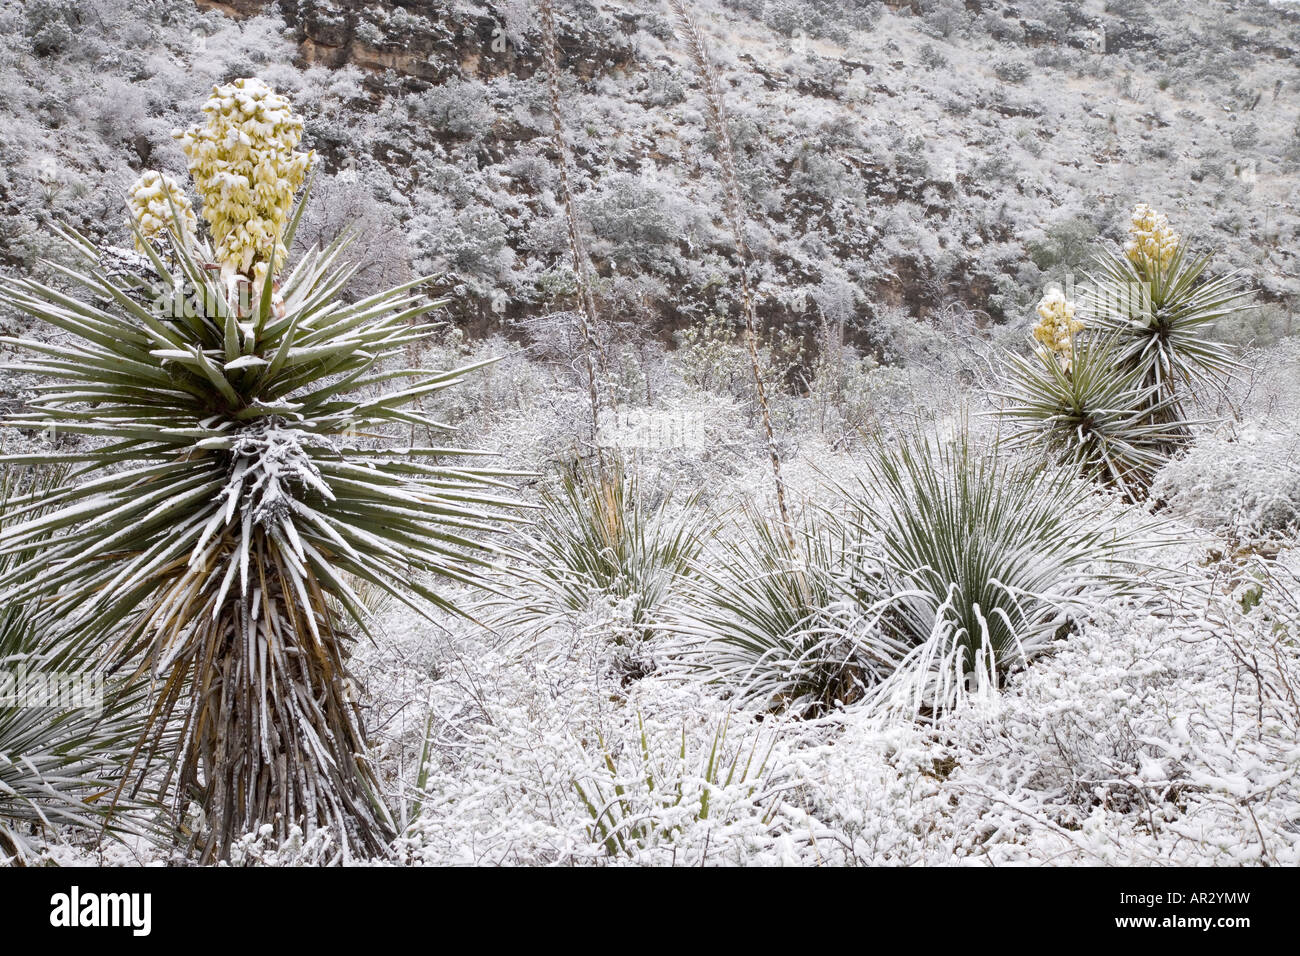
(1162, 732)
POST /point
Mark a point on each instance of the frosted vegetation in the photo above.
(752, 433)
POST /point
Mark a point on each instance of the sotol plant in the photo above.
(789, 628)
(236, 484)
(598, 539)
(981, 558)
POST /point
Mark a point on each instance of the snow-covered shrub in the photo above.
(1242, 485)
(469, 242)
(1065, 245)
(636, 223)
(648, 795)
(1262, 325)
(458, 108)
(944, 18)
(50, 25)
(842, 391)
(1185, 752)
(295, 848)
(1011, 71)
(713, 357)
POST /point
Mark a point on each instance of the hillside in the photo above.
(898, 160)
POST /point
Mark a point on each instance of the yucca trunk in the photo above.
(272, 734)
(235, 495)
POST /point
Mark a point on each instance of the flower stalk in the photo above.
(587, 316)
(716, 114)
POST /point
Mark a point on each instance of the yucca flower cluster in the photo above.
(1151, 241)
(1056, 323)
(246, 165)
(154, 202)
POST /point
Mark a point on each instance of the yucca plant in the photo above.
(789, 628)
(982, 557)
(1094, 414)
(65, 734)
(235, 481)
(1155, 298)
(597, 540)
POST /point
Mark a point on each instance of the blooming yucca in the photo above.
(1095, 415)
(236, 492)
(245, 162)
(1155, 297)
(1121, 403)
(1151, 241)
(1057, 324)
(150, 203)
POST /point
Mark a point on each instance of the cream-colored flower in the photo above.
(1151, 241)
(150, 202)
(1057, 325)
(245, 162)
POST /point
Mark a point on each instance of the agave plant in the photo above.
(982, 559)
(236, 481)
(65, 734)
(789, 627)
(596, 539)
(1161, 310)
(1094, 414)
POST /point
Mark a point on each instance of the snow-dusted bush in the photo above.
(637, 223)
(1136, 742)
(661, 794)
(51, 25)
(1243, 483)
(458, 108)
(713, 357)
